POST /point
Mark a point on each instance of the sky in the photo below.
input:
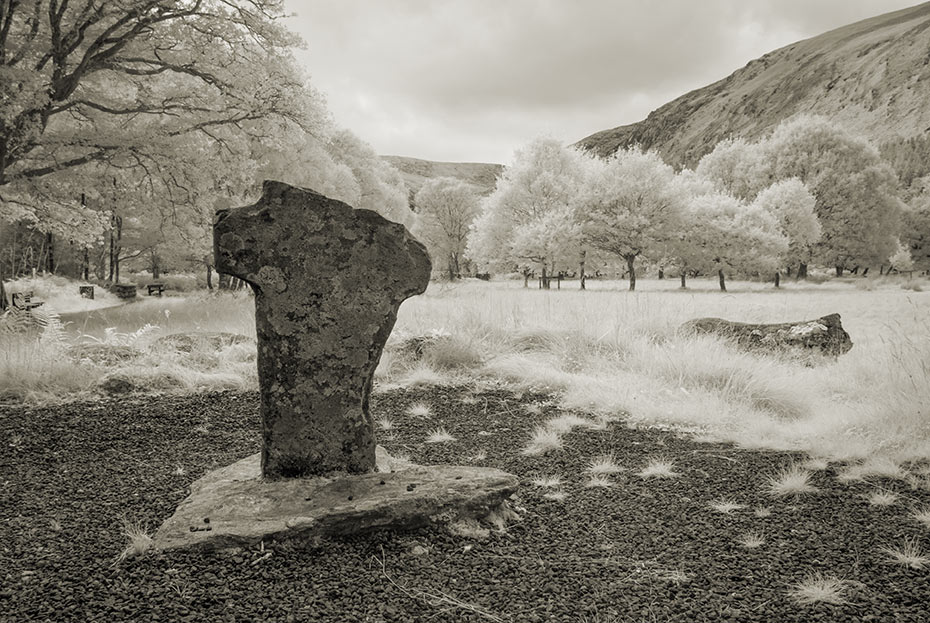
(473, 80)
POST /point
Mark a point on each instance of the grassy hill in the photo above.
(416, 172)
(872, 76)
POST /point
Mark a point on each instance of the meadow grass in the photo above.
(602, 353)
(607, 351)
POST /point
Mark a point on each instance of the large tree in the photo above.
(792, 204)
(857, 197)
(528, 221)
(631, 206)
(446, 207)
(722, 234)
(856, 191)
(121, 89)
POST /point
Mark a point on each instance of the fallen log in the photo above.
(824, 335)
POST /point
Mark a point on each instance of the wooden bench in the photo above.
(23, 300)
(156, 289)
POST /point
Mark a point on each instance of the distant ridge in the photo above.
(872, 76)
(416, 172)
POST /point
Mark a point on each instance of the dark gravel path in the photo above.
(643, 550)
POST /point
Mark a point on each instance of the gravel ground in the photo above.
(641, 550)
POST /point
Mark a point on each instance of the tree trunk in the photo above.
(865, 271)
(209, 277)
(684, 286)
(839, 271)
(50, 254)
(630, 259)
(116, 236)
(110, 270)
(581, 267)
(661, 274)
(2, 291)
(156, 269)
(85, 265)
(722, 280)
(558, 281)
(802, 271)
(544, 281)
(777, 279)
(788, 271)
(881, 269)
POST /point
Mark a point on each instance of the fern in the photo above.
(53, 331)
(111, 337)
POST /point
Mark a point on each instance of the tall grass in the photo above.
(41, 367)
(608, 351)
(603, 352)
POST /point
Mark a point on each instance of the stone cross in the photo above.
(328, 280)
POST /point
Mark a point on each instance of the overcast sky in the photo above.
(471, 80)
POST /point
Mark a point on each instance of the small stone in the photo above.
(418, 550)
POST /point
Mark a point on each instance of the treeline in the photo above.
(809, 193)
(124, 126)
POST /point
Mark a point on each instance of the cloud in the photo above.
(462, 79)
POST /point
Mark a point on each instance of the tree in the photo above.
(916, 231)
(446, 207)
(379, 186)
(856, 191)
(528, 220)
(631, 206)
(901, 260)
(121, 82)
(723, 234)
(737, 167)
(792, 204)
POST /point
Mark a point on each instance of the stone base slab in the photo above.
(234, 507)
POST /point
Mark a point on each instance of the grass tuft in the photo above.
(882, 498)
(548, 481)
(138, 541)
(909, 554)
(762, 512)
(726, 506)
(793, 480)
(923, 516)
(599, 481)
(440, 435)
(817, 588)
(881, 467)
(659, 468)
(556, 496)
(478, 456)
(385, 423)
(605, 464)
(419, 410)
(751, 540)
(544, 440)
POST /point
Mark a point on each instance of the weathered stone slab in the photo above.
(824, 335)
(235, 507)
(328, 280)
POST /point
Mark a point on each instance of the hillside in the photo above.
(416, 172)
(872, 76)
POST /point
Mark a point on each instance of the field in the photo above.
(665, 477)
